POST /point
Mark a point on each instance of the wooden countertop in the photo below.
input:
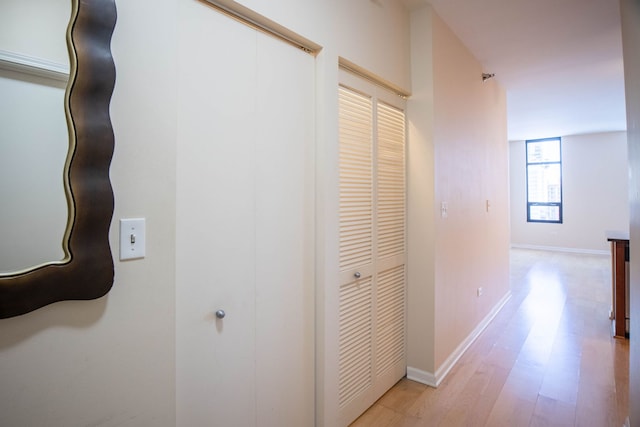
(617, 235)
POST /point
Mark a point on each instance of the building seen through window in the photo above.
(544, 180)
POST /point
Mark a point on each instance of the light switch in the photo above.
(444, 209)
(132, 238)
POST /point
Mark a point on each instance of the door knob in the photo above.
(220, 314)
(357, 274)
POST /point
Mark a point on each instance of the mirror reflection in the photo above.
(34, 136)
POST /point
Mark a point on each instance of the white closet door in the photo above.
(284, 235)
(372, 245)
(244, 226)
(356, 248)
(390, 361)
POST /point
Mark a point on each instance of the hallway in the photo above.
(547, 359)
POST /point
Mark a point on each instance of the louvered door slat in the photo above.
(391, 182)
(355, 360)
(390, 318)
(390, 232)
(356, 179)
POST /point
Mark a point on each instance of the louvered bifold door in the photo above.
(372, 250)
(356, 249)
(356, 179)
(390, 363)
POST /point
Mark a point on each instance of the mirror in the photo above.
(34, 136)
(85, 268)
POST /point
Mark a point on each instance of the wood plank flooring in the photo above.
(547, 359)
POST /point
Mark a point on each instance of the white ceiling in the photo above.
(560, 61)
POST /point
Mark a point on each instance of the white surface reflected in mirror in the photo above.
(34, 137)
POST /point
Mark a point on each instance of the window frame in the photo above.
(531, 204)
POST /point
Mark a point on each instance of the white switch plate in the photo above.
(132, 238)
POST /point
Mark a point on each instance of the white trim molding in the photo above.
(35, 66)
(560, 249)
(421, 376)
(434, 380)
(261, 23)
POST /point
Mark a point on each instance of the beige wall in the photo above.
(465, 159)
(595, 194)
(471, 169)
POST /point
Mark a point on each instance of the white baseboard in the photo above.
(422, 377)
(434, 380)
(560, 249)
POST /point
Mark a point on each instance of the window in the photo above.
(544, 180)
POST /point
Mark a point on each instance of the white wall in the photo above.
(630, 12)
(594, 191)
(110, 361)
(421, 212)
(362, 31)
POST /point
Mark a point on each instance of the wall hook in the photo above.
(487, 76)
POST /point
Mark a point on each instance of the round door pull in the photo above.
(357, 275)
(220, 314)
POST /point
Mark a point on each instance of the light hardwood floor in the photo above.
(547, 359)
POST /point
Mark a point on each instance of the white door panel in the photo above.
(215, 227)
(284, 235)
(243, 226)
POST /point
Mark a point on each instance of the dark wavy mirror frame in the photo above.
(89, 272)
